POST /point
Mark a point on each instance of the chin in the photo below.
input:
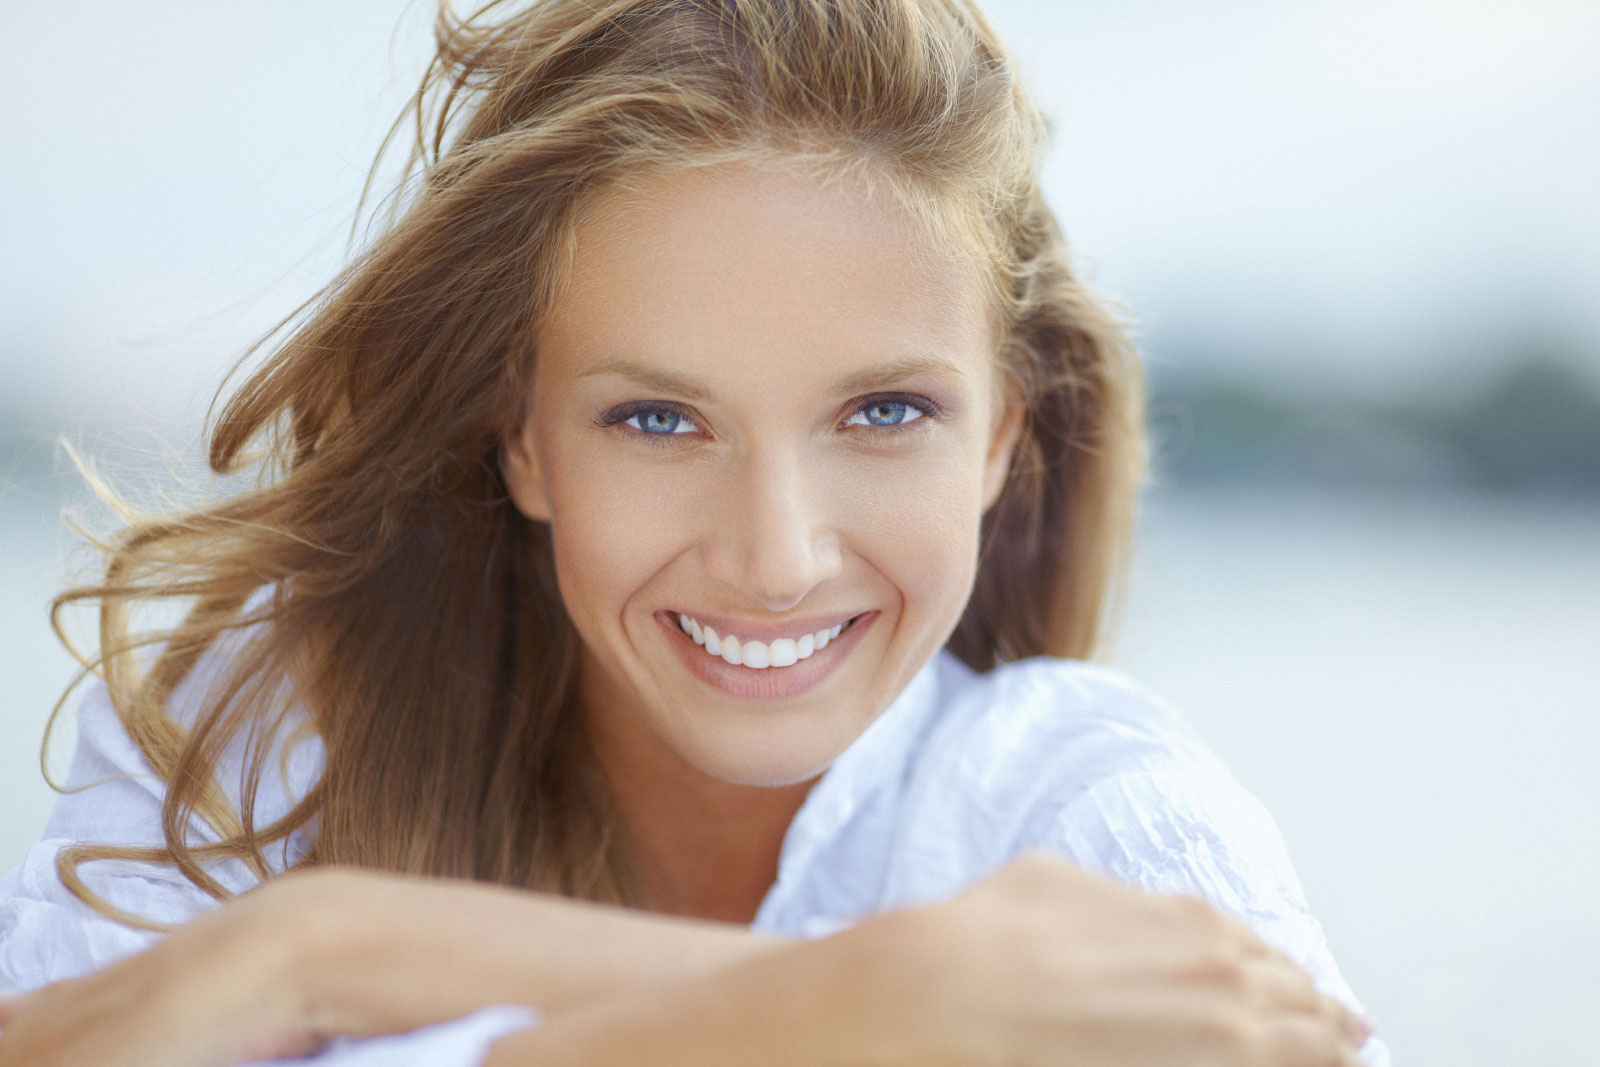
(778, 759)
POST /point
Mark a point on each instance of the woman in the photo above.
(655, 516)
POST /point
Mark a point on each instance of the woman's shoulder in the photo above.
(1079, 759)
(1053, 724)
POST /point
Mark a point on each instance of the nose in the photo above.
(773, 538)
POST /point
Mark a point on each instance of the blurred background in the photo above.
(1361, 243)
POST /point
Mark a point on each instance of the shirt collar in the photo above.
(876, 757)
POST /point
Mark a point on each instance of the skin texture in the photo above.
(760, 312)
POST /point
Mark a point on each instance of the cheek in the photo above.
(614, 526)
(912, 519)
(916, 521)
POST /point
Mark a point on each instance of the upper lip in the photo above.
(770, 630)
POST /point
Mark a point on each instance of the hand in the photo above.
(1043, 964)
(220, 990)
(1040, 965)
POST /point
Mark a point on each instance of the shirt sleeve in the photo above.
(453, 1044)
(113, 797)
(1192, 829)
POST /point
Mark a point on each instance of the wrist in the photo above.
(372, 954)
(246, 962)
(310, 938)
(890, 979)
(863, 997)
(793, 1007)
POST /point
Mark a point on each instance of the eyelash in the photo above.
(618, 416)
(929, 409)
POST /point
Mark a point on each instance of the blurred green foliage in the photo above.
(1535, 429)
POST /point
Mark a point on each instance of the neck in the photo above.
(705, 848)
(713, 853)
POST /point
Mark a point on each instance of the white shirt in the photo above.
(961, 774)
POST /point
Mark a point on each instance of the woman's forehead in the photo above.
(737, 260)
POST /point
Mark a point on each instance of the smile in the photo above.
(760, 655)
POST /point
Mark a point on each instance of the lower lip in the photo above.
(773, 683)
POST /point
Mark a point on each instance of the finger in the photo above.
(1288, 986)
(1304, 1042)
(1297, 993)
(1248, 940)
(1285, 988)
(1353, 1025)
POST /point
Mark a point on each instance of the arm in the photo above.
(381, 953)
(1190, 828)
(335, 954)
(1040, 965)
(801, 1006)
(1021, 969)
(307, 954)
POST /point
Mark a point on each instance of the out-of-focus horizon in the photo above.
(1361, 246)
(1361, 243)
(1383, 206)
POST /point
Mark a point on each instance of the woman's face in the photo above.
(767, 419)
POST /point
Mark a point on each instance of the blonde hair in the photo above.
(378, 577)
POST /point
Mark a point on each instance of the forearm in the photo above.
(393, 953)
(802, 1007)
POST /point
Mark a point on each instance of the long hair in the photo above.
(377, 575)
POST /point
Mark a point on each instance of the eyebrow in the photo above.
(898, 370)
(667, 381)
(656, 378)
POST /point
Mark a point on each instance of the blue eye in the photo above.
(660, 422)
(886, 413)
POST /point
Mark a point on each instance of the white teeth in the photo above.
(782, 652)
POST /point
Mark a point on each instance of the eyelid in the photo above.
(620, 414)
(926, 406)
(929, 408)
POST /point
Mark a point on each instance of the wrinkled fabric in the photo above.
(963, 773)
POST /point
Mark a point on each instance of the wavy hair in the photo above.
(377, 576)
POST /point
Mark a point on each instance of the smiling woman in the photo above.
(658, 634)
(751, 489)
(797, 446)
